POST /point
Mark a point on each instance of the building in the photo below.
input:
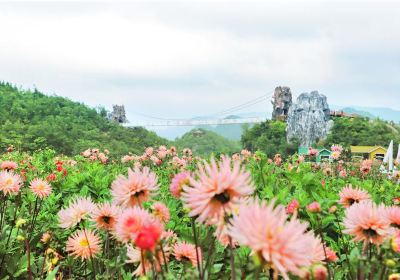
(323, 153)
(368, 152)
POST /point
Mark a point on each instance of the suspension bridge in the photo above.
(217, 118)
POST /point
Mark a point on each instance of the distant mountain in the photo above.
(386, 114)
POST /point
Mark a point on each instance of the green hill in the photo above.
(30, 120)
(204, 142)
(270, 136)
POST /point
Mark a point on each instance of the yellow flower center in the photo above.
(84, 243)
(40, 187)
(9, 181)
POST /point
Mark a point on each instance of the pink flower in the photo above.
(292, 207)
(84, 244)
(312, 152)
(106, 216)
(8, 165)
(395, 242)
(78, 210)
(161, 212)
(10, 183)
(178, 182)
(217, 190)
(314, 207)
(319, 272)
(149, 151)
(283, 245)
(337, 148)
(135, 189)
(40, 188)
(335, 155)
(350, 195)
(186, 252)
(343, 173)
(367, 222)
(131, 222)
(366, 166)
(393, 214)
(331, 255)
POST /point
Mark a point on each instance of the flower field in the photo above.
(168, 214)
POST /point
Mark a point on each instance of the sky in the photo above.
(179, 59)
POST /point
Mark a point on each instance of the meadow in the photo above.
(168, 214)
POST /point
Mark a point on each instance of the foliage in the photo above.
(82, 177)
(31, 120)
(204, 142)
(269, 137)
(362, 132)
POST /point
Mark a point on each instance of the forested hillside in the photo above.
(270, 136)
(204, 142)
(30, 120)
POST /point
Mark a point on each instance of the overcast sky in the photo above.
(185, 58)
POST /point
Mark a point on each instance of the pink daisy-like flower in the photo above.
(10, 183)
(393, 214)
(130, 222)
(8, 165)
(312, 152)
(179, 180)
(217, 191)
(349, 195)
(186, 252)
(367, 222)
(40, 188)
(331, 255)
(283, 245)
(78, 210)
(135, 189)
(161, 211)
(337, 148)
(84, 244)
(106, 215)
(335, 155)
(395, 242)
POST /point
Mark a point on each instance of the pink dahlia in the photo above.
(130, 223)
(106, 215)
(367, 222)
(337, 148)
(217, 190)
(135, 189)
(40, 188)
(283, 245)
(178, 182)
(393, 214)
(8, 165)
(84, 244)
(335, 155)
(186, 252)
(10, 183)
(77, 210)
(349, 196)
(314, 207)
(161, 211)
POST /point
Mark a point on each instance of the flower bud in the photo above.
(20, 223)
(314, 207)
(332, 209)
(319, 272)
(390, 263)
(20, 238)
(45, 237)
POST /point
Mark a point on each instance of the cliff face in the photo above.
(308, 119)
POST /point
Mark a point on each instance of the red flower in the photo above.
(148, 237)
(51, 177)
(59, 168)
(65, 172)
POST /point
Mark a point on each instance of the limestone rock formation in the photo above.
(281, 103)
(308, 119)
(118, 114)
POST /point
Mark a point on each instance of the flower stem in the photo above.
(197, 252)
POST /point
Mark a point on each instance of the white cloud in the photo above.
(201, 56)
